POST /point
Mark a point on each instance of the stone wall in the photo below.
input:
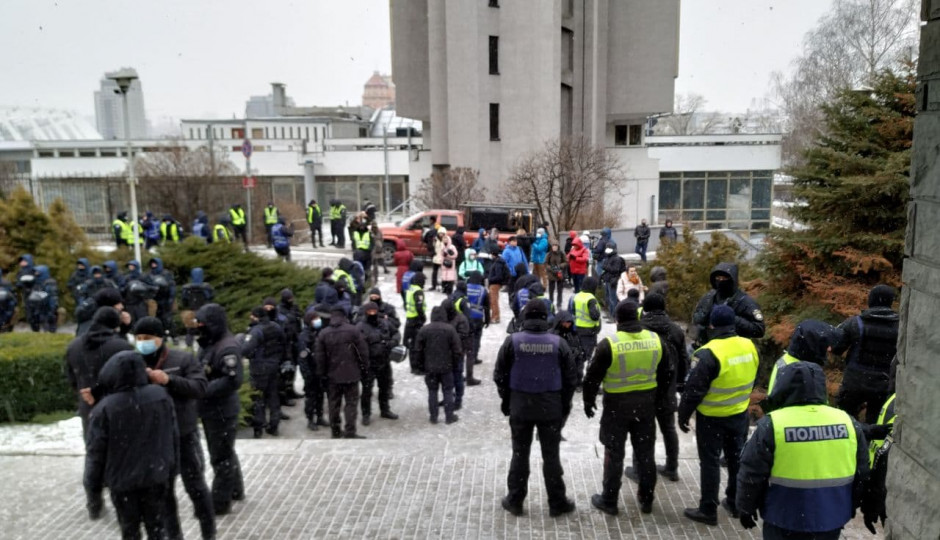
(914, 473)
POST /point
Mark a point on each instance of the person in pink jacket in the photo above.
(630, 280)
(448, 266)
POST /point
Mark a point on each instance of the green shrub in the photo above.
(241, 280)
(32, 380)
(245, 396)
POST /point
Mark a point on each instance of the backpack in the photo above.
(280, 239)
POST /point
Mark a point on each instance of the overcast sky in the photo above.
(205, 58)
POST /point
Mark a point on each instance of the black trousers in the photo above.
(267, 231)
(363, 257)
(220, 436)
(147, 505)
(340, 393)
(772, 532)
(316, 229)
(460, 385)
(555, 289)
(269, 399)
(383, 375)
(588, 344)
(667, 426)
(165, 314)
(411, 332)
(473, 351)
(241, 232)
(314, 392)
(549, 439)
(444, 381)
(339, 233)
(192, 469)
(868, 389)
(625, 415)
(434, 270)
(715, 436)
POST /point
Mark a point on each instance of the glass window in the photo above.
(449, 222)
(620, 135)
(712, 226)
(257, 133)
(760, 214)
(695, 215)
(372, 191)
(718, 174)
(693, 194)
(760, 225)
(761, 196)
(670, 192)
(494, 121)
(348, 192)
(739, 199)
(717, 194)
(670, 175)
(494, 55)
(636, 135)
(694, 174)
(715, 214)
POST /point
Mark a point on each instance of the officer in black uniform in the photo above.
(315, 319)
(629, 403)
(748, 319)
(162, 280)
(291, 320)
(535, 375)
(193, 296)
(265, 348)
(380, 338)
(871, 341)
(220, 355)
(185, 381)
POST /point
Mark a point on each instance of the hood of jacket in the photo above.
(196, 275)
(345, 265)
(84, 262)
(536, 289)
(96, 270)
(42, 273)
(658, 273)
(400, 245)
(26, 257)
(810, 341)
(572, 235)
(799, 383)
(213, 316)
(449, 309)
(159, 262)
(885, 314)
(589, 284)
(563, 316)
(728, 269)
(577, 243)
(480, 232)
(605, 232)
(123, 371)
(201, 217)
(439, 314)
(612, 246)
(110, 268)
(136, 271)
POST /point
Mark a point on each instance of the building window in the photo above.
(494, 55)
(628, 135)
(190, 133)
(635, 135)
(494, 3)
(307, 133)
(282, 133)
(290, 132)
(494, 121)
(567, 50)
(257, 133)
(737, 200)
(567, 110)
(567, 9)
(316, 136)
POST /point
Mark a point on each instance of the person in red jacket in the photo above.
(402, 260)
(578, 263)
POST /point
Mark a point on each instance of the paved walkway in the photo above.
(409, 479)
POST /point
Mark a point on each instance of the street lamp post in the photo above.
(123, 79)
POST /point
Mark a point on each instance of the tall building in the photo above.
(379, 91)
(109, 114)
(492, 81)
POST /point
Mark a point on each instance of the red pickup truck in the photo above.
(506, 218)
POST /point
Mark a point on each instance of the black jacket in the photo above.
(220, 356)
(658, 282)
(642, 233)
(85, 357)
(437, 347)
(132, 440)
(613, 267)
(459, 321)
(570, 336)
(748, 320)
(341, 352)
(265, 348)
(380, 338)
(499, 272)
(542, 406)
(801, 383)
(870, 339)
(603, 357)
(187, 384)
(673, 341)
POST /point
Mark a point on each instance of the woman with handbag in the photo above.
(449, 263)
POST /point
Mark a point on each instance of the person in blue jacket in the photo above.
(42, 302)
(539, 252)
(7, 305)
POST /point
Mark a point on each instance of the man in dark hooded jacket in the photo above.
(342, 356)
(87, 354)
(535, 377)
(810, 342)
(184, 379)
(462, 325)
(96, 281)
(477, 301)
(76, 281)
(111, 272)
(193, 296)
(42, 302)
(132, 447)
(106, 297)
(265, 348)
(806, 465)
(136, 291)
(292, 324)
(599, 252)
(658, 282)
(871, 342)
(612, 268)
(162, 280)
(380, 337)
(7, 305)
(437, 353)
(221, 357)
(316, 318)
(748, 319)
(674, 351)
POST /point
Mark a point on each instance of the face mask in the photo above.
(608, 251)
(146, 347)
(372, 318)
(726, 287)
(317, 324)
(377, 301)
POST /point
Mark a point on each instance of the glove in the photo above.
(748, 521)
(684, 426)
(504, 406)
(589, 408)
(870, 520)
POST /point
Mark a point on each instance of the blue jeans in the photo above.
(611, 289)
(641, 250)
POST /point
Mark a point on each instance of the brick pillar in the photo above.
(914, 467)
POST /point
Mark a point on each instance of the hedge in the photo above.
(32, 380)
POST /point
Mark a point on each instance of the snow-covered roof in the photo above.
(38, 124)
(387, 119)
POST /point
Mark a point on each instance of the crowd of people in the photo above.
(804, 470)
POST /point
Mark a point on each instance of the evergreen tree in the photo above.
(853, 190)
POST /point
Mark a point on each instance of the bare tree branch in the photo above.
(450, 189)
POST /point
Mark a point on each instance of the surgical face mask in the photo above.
(473, 257)
(146, 347)
(608, 251)
(317, 324)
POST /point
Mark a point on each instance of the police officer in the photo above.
(810, 342)
(169, 230)
(338, 223)
(535, 375)
(239, 222)
(748, 319)
(870, 340)
(587, 320)
(193, 296)
(220, 355)
(437, 353)
(634, 373)
(96, 281)
(271, 214)
(343, 273)
(185, 381)
(315, 222)
(415, 316)
(162, 280)
(805, 467)
(361, 243)
(478, 301)
(265, 348)
(280, 236)
(220, 230)
(7, 305)
(879, 449)
(315, 319)
(42, 302)
(380, 338)
(719, 388)
(77, 280)
(136, 291)
(342, 356)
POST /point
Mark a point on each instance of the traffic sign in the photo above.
(246, 148)
(249, 182)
